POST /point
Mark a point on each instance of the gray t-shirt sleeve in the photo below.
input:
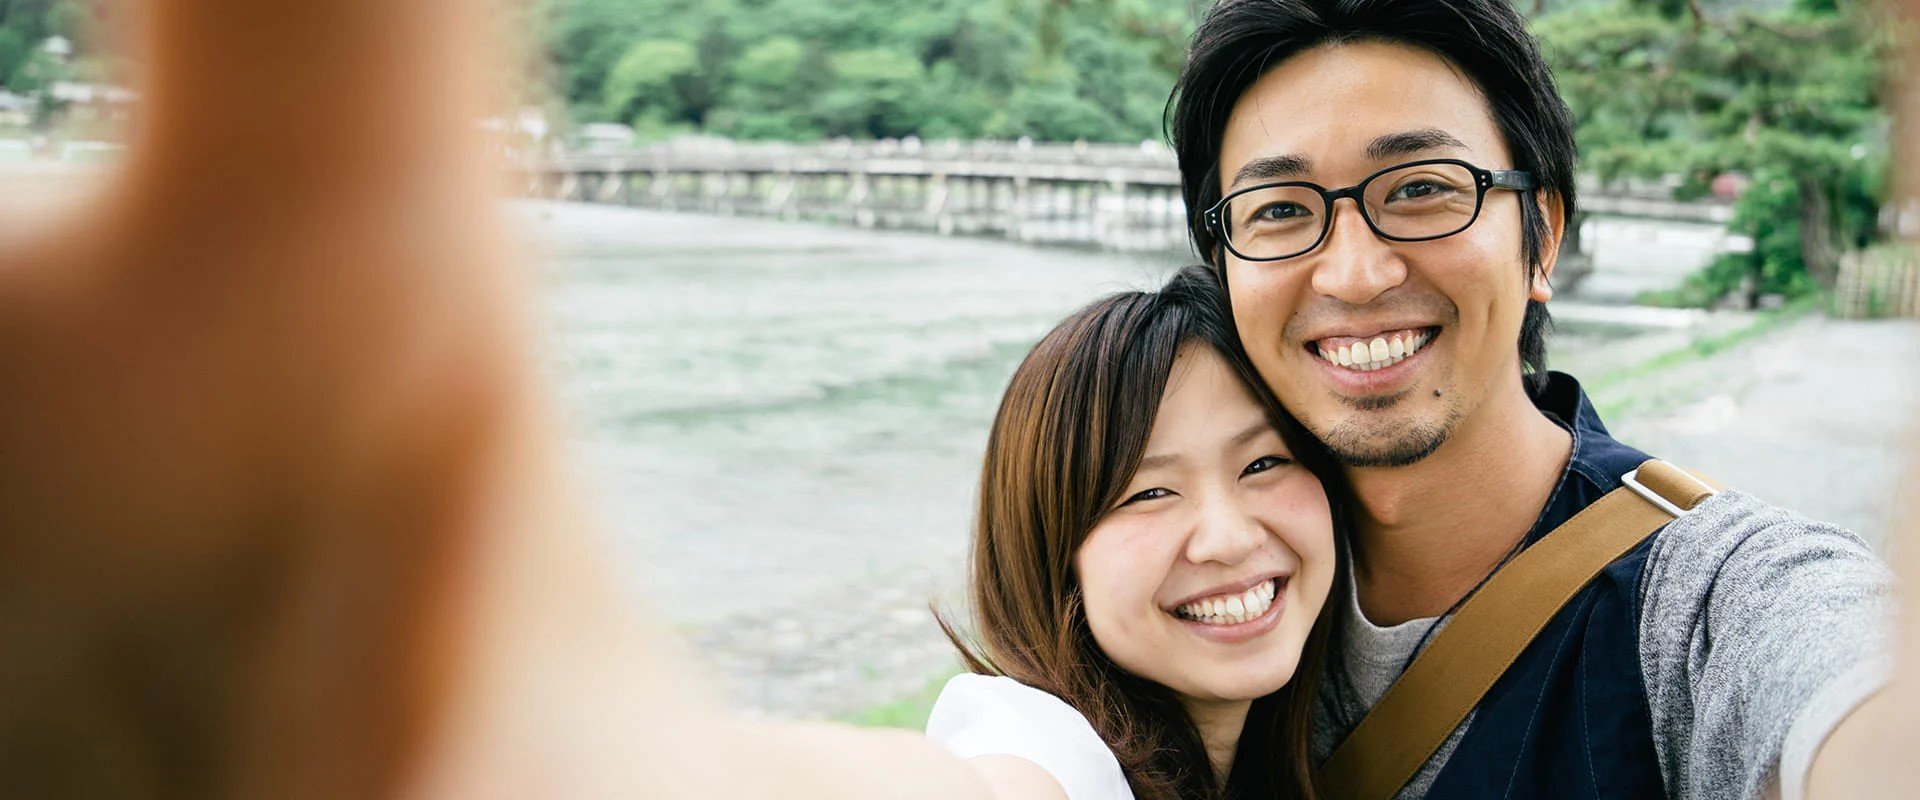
(1760, 630)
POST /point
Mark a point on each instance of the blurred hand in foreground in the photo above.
(279, 511)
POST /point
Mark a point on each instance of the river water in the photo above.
(772, 413)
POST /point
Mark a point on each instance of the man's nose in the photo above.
(1224, 533)
(1354, 265)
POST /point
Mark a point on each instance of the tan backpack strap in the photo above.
(1491, 628)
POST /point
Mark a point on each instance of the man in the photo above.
(1403, 322)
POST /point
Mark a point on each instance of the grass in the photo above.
(909, 711)
(1705, 347)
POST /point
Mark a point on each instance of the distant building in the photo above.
(60, 47)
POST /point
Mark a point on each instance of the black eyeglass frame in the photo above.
(1484, 180)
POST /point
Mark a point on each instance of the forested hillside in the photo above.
(802, 69)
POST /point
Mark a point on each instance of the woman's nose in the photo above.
(1225, 533)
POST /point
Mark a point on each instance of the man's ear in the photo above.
(1552, 207)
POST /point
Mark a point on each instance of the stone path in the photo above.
(1813, 416)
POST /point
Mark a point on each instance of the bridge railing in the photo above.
(1124, 197)
(1148, 163)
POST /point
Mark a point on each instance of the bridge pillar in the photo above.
(611, 183)
(859, 190)
(936, 205)
(780, 198)
(1110, 215)
(660, 188)
(1020, 209)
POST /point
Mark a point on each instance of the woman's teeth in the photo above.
(1232, 609)
(1377, 353)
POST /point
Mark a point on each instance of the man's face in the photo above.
(1334, 115)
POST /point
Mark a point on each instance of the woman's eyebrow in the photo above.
(1258, 427)
(1158, 461)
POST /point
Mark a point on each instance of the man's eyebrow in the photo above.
(1394, 145)
(1270, 167)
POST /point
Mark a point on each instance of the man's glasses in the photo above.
(1412, 202)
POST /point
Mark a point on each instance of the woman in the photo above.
(1154, 546)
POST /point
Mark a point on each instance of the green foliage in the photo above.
(1789, 98)
(654, 80)
(800, 69)
(24, 25)
(875, 92)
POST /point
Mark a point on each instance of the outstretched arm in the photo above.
(1871, 753)
(280, 513)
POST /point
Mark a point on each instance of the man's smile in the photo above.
(1372, 352)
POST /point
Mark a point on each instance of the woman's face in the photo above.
(1207, 576)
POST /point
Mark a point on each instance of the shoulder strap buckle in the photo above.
(1672, 489)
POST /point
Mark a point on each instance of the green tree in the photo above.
(1789, 97)
(654, 83)
(932, 68)
(875, 92)
(770, 92)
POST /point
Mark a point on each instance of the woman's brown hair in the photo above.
(1071, 430)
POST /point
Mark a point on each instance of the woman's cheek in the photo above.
(1119, 576)
(1298, 510)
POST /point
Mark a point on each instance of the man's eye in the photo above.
(1417, 189)
(1280, 211)
(1150, 494)
(1264, 463)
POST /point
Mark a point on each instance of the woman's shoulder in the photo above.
(981, 715)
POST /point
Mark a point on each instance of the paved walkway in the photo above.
(1813, 416)
(1817, 416)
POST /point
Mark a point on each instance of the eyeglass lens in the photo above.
(1423, 201)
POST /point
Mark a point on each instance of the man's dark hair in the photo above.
(1485, 39)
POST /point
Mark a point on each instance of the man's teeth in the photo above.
(1231, 609)
(1382, 351)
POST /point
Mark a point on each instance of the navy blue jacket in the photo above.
(1569, 718)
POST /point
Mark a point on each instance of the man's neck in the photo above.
(1220, 723)
(1429, 532)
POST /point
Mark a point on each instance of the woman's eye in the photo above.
(1264, 463)
(1150, 494)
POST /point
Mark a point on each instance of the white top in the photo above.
(979, 715)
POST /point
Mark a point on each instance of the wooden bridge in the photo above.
(1109, 196)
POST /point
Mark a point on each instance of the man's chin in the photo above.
(1360, 444)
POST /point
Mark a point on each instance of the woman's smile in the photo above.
(1235, 618)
